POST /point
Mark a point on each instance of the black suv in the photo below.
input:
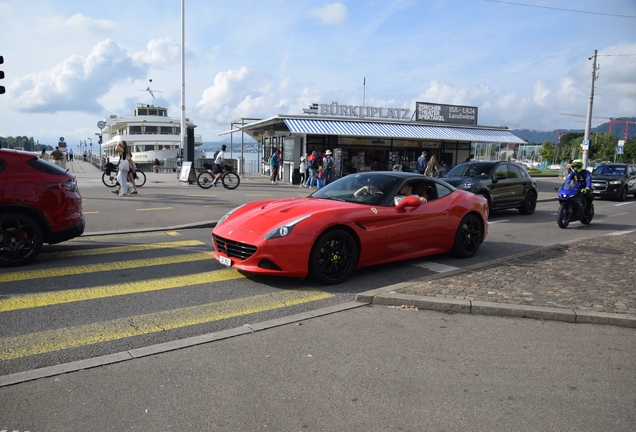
(614, 180)
(504, 184)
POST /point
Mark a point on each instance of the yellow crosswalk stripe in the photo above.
(119, 249)
(91, 268)
(72, 337)
(74, 295)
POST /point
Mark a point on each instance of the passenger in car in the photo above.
(407, 190)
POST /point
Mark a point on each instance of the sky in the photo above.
(70, 63)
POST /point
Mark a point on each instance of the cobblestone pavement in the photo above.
(597, 274)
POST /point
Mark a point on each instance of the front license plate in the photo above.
(225, 261)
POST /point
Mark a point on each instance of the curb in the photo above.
(390, 296)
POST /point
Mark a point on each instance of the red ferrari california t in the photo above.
(357, 221)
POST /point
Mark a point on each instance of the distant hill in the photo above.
(539, 137)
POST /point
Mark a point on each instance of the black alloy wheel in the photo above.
(333, 257)
(20, 240)
(529, 203)
(468, 237)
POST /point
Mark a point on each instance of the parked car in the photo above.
(351, 223)
(39, 203)
(504, 184)
(614, 180)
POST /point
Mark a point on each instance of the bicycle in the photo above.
(109, 178)
(230, 179)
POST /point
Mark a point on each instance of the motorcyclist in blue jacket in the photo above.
(582, 176)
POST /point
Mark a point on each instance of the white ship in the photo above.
(149, 132)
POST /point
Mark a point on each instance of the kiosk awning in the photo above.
(400, 131)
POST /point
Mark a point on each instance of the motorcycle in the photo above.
(573, 205)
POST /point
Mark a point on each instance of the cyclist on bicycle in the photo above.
(218, 164)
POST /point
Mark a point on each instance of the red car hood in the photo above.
(260, 217)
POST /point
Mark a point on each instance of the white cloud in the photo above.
(541, 93)
(331, 14)
(160, 52)
(76, 83)
(77, 22)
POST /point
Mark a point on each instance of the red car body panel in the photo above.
(42, 195)
(384, 233)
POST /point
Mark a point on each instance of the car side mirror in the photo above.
(498, 177)
(409, 201)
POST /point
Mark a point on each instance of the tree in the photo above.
(546, 152)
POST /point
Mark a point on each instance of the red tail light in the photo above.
(69, 186)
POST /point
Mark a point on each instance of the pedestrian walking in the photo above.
(312, 165)
(432, 168)
(132, 171)
(420, 167)
(327, 165)
(303, 169)
(57, 156)
(70, 155)
(274, 166)
(44, 155)
(122, 169)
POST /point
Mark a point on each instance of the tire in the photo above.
(623, 195)
(140, 180)
(588, 216)
(333, 257)
(231, 180)
(109, 178)
(468, 237)
(20, 240)
(563, 216)
(205, 179)
(529, 203)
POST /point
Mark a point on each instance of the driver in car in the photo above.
(407, 190)
(370, 189)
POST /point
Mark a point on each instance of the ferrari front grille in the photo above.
(234, 249)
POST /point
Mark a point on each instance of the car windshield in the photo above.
(609, 170)
(369, 188)
(473, 169)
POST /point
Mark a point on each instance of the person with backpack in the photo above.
(274, 166)
(312, 165)
(327, 164)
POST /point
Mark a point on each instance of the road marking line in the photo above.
(619, 214)
(156, 208)
(91, 268)
(117, 249)
(93, 239)
(436, 267)
(89, 213)
(498, 221)
(619, 233)
(88, 334)
(259, 195)
(622, 204)
(28, 301)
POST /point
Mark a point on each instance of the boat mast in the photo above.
(183, 125)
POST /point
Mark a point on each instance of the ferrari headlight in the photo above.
(285, 230)
(227, 215)
(467, 186)
(616, 182)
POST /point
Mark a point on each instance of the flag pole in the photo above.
(183, 126)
